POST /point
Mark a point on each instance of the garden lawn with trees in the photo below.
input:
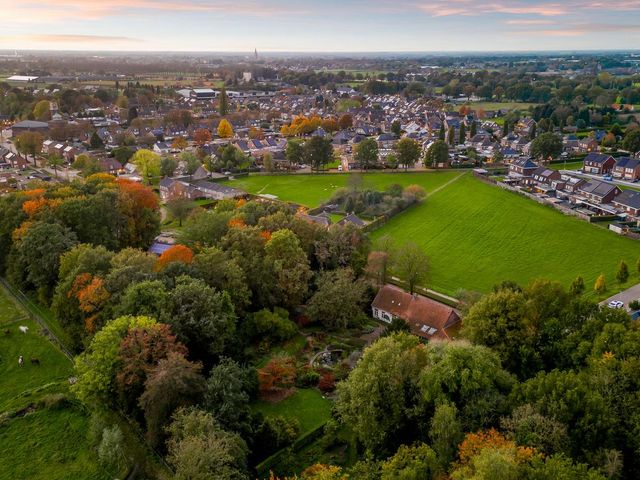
(307, 406)
(477, 235)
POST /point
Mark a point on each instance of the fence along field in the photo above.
(476, 235)
(46, 441)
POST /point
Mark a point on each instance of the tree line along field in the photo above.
(50, 441)
(477, 235)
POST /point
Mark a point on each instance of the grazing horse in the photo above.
(21, 360)
(35, 361)
(23, 328)
(7, 332)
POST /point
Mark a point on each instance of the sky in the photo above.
(320, 25)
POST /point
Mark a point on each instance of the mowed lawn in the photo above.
(312, 190)
(306, 405)
(477, 235)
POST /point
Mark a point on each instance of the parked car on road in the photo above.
(616, 304)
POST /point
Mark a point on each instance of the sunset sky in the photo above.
(322, 25)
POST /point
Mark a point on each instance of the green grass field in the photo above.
(477, 235)
(306, 405)
(567, 166)
(522, 106)
(312, 190)
(50, 442)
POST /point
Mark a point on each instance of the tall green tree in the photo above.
(200, 449)
(175, 382)
(437, 153)
(318, 152)
(289, 265)
(294, 152)
(226, 395)
(366, 153)
(223, 102)
(339, 299)
(462, 134)
(411, 264)
(148, 164)
(546, 146)
(202, 318)
(29, 143)
(407, 151)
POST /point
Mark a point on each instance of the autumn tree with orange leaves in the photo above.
(277, 375)
(176, 253)
(140, 207)
(202, 136)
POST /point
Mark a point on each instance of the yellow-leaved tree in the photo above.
(225, 130)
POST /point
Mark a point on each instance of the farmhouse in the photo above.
(598, 163)
(426, 317)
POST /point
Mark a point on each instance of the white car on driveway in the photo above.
(616, 304)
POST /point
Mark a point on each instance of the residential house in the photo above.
(217, 191)
(522, 169)
(598, 163)
(628, 202)
(425, 317)
(110, 165)
(627, 168)
(352, 219)
(543, 178)
(599, 192)
(161, 148)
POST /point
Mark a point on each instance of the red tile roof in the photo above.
(422, 314)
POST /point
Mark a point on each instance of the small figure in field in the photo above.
(35, 361)
(23, 328)
(21, 360)
(7, 332)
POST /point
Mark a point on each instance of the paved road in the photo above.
(615, 181)
(627, 296)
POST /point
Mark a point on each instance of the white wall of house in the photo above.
(382, 315)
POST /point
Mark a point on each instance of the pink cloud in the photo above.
(42, 11)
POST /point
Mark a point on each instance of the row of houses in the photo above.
(623, 168)
(600, 197)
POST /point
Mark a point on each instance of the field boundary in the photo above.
(31, 311)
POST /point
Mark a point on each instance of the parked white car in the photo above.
(616, 304)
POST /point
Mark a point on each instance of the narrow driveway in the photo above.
(629, 295)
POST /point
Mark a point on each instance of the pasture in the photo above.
(50, 442)
(477, 235)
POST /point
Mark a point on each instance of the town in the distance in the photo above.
(319, 266)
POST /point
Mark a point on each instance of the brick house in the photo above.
(425, 317)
